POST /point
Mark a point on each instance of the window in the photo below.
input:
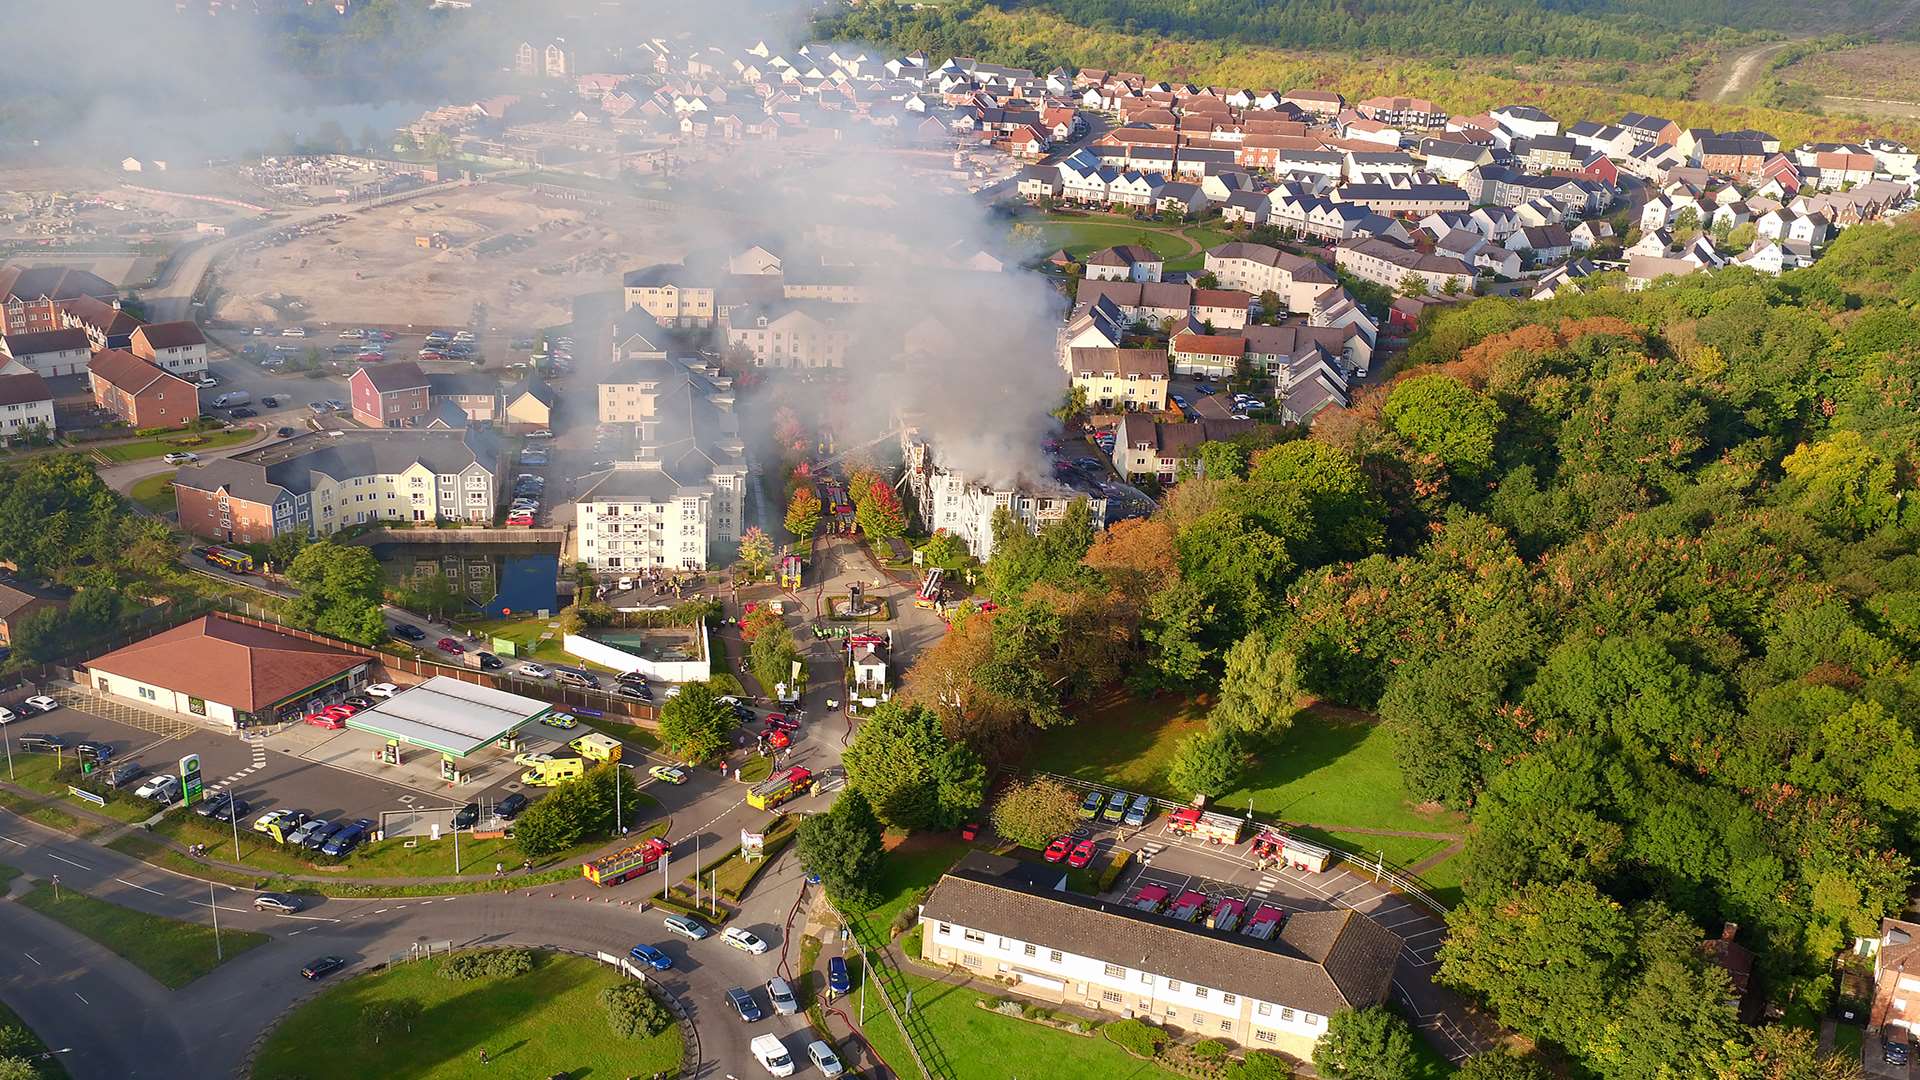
(1265, 1037)
(947, 929)
(1171, 1012)
(1055, 956)
(1264, 1009)
(1286, 1014)
(1110, 995)
(1200, 991)
(1173, 984)
(1226, 1025)
(1310, 1019)
(1146, 978)
(1227, 999)
(1115, 971)
(1030, 950)
(970, 961)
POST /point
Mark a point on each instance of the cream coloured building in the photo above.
(1123, 379)
(994, 918)
(665, 293)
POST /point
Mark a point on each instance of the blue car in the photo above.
(651, 956)
(743, 1003)
(347, 839)
(837, 980)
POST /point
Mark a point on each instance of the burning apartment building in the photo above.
(947, 500)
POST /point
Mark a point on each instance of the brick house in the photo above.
(389, 395)
(178, 347)
(140, 393)
(50, 352)
(19, 599)
(32, 299)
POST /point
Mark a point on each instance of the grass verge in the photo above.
(155, 493)
(546, 1022)
(43, 773)
(175, 953)
(144, 449)
(49, 1067)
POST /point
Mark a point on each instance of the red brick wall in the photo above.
(200, 515)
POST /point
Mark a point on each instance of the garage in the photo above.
(454, 719)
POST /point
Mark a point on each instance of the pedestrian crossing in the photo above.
(257, 743)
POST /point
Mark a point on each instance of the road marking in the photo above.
(29, 956)
(83, 1001)
(68, 861)
(142, 888)
(305, 918)
(12, 841)
(380, 911)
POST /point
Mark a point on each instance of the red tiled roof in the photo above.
(233, 663)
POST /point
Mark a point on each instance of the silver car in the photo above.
(782, 995)
(280, 903)
(824, 1058)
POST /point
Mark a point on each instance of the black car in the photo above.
(743, 1003)
(270, 401)
(322, 966)
(467, 816)
(489, 662)
(1893, 1047)
(98, 751)
(285, 433)
(409, 631)
(234, 810)
(214, 804)
(321, 834)
(241, 412)
(510, 807)
(629, 690)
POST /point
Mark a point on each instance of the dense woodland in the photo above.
(1632, 578)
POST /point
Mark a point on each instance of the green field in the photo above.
(155, 492)
(42, 773)
(167, 444)
(1183, 246)
(48, 1067)
(546, 1022)
(1332, 770)
(384, 858)
(175, 953)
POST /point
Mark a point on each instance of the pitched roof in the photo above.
(463, 384)
(52, 283)
(217, 659)
(47, 341)
(23, 388)
(128, 372)
(170, 335)
(533, 386)
(101, 315)
(390, 378)
(1122, 255)
(1096, 360)
(1209, 344)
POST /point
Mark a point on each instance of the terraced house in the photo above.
(991, 919)
(320, 483)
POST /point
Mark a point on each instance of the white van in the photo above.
(769, 1051)
(232, 398)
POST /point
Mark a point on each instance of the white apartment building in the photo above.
(790, 335)
(50, 352)
(26, 404)
(1259, 268)
(678, 500)
(994, 918)
(952, 503)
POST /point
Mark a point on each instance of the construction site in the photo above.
(523, 252)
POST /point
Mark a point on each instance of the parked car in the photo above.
(449, 645)
(651, 957)
(41, 744)
(40, 704)
(837, 980)
(1090, 805)
(359, 701)
(287, 820)
(466, 816)
(667, 774)
(340, 712)
(382, 690)
(510, 807)
(784, 1003)
(409, 632)
(1138, 813)
(214, 805)
(772, 1055)
(325, 720)
(637, 693)
(299, 836)
(824, 1058)
(489, 662)
(563, 721)
(279, 903)
(532, 671)
(321, 834)
(688, 927)
(782, 721)
(1081, 855)
(162, 789)
(1116, 807)
(347, 839)
(241, 413)
(119, 775)
(323, 966)
(744, 1005)
(285, 433)
(181, 457)
(745, 940)
(1058, 849)
(270, 401)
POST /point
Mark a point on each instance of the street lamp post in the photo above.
(213, 903)
(6, 733)
(233, 814)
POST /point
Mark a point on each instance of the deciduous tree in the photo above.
(695, 723)
(914, 776)
(340, 593)
(1366, 1044)
(1032, 812)
(1260, 693)
(803, 512)
(843, 845)
(1207, 762)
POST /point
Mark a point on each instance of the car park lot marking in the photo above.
(12, 841)
(83, 1001)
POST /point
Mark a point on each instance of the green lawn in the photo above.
(383, 858)
(175, 953)
(1082, 234)
(546, 1022)
(167, 444)
(155, 492)
(526, 635)
(1333, 769)
(51, 816)
(49, 1067)
(1847, 1041)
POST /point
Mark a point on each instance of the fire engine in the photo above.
(1204, 825)
(1150, 898)
(1227, 915)
(783, 786)
(1273, 847)
(1189, 907)
(1265, 923)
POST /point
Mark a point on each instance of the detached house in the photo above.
(389, 395)
(1125, 262)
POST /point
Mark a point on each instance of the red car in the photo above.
(447, 644)
(1082, 854)
(339, 712)
(782, 721)
(1058, 849)
(970, 830)
(778, 739)
(331, 723)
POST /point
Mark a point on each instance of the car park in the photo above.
(1058, 849)
(1116, 807)
(1090, 805)
(778, 992)
(667, 774)
(688, 927)
(382, 690)
(323, 966)
(651, 957)
(745, 940)
(744, 1006)
(41, 704)
(1081, 855)
(772, 1055)
(837, 980)
(824, 1058)
(278, 903)
(162, 789)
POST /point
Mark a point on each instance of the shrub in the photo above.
(1009, 1008)
(487, 964)
(1136, 1037)
(1261, 1065)
(633, 1012)
(1115, 867)
(1211, 1050)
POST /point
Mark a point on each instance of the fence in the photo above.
(878, 969)
(1385, 873)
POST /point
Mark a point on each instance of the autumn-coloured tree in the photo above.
(803, 512)
(756, 553)
(880, 514)
(788, 433)
(943, 679)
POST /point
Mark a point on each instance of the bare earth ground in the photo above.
(96, 210)
(524, 255)
(1879, 80)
